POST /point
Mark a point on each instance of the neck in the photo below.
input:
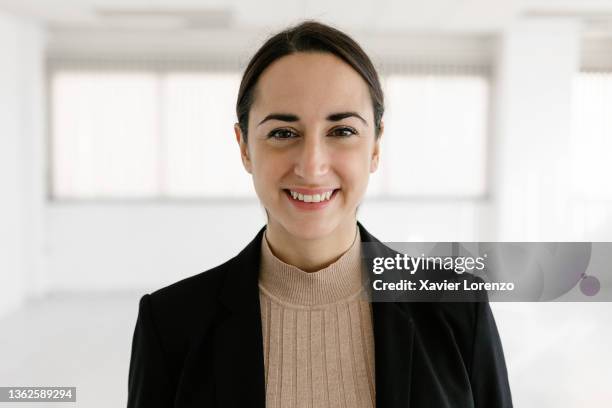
(310, 255)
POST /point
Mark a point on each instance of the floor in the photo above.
(71, 340)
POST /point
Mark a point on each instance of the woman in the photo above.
(283, 324)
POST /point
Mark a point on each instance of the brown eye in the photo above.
(344, 132)
(281, 134)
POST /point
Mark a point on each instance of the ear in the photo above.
(244, 149)
(376, 152)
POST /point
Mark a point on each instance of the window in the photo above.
(436, 134)
(140, 134)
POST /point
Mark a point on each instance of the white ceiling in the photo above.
(465, 16)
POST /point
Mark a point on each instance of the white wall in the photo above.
(141, 246)
(21, 165)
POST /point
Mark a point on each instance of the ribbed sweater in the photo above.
(317, 333)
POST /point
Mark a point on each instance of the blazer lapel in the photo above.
(237, 340)
(394, 335)
(393, 343)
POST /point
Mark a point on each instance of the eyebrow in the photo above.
(334, 117)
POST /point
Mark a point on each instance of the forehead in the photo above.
(311, 84)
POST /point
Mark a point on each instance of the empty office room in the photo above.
(192, 191)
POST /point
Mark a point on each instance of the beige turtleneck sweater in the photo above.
(317, 333)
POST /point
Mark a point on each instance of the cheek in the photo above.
(269, 168)
(353, 166)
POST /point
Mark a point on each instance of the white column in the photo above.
(535, 68)
(21, 160)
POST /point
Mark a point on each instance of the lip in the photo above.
(301, 205)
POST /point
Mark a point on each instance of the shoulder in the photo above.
(185, 308)
(192, 292)
(170, 322)
(181, 312)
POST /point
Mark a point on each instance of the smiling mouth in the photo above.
(313, 199)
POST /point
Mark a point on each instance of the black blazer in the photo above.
(198, 343)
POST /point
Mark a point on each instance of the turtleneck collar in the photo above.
(340, 280)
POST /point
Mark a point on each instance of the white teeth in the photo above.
(315, 198)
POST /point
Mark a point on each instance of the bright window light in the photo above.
(105, 135)
(146, 135)
(435, 138)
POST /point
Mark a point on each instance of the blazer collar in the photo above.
(238, 348)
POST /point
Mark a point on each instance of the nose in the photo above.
(313, 158)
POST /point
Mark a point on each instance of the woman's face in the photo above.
(310, 133)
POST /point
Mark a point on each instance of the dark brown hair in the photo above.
(309, 36)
